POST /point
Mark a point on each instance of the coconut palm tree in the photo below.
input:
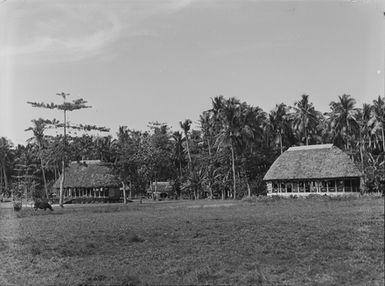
(377, 120)
(304, 118)
(5, 157)
(278, 123)
(343, 119)
(178, 149)
(38, 128)
(363, 117)
(229, 115)
(186, 125)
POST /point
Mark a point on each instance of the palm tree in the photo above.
(363, 117)
(5, 154)
(121, 146)
(305, 118)
(178, 148)
(38, 128)
(229, 115)
(240, 125)
(194, 183)
(186, 125)
(278, 123)
(377, 120)
(343, 119)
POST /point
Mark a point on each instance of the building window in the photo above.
(307, 187)
(301, 187)
(356, 185)
(323, 187)
(314, 187)
(340, 186)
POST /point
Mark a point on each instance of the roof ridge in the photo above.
(310, 147)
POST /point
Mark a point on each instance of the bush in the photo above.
(17, 206)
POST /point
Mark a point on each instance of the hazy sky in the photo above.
(140, 61)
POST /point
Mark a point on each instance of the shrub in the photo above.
(17, 206)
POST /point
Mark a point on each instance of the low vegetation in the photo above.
(313, 241)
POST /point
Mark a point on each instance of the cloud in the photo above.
(177, 5)
(73, 31)
(252, 47)
(65, 44)
(68, 31)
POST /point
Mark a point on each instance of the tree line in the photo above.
(226, 156)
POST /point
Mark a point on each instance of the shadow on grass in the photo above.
(82, 246)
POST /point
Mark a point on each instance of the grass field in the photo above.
(268, 242)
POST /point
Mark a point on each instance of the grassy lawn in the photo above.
(272, 242)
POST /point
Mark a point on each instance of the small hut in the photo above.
(89, 179)
(314, 169)
(160, 190)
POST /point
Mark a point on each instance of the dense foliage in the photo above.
(225, 157)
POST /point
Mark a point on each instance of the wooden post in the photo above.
(327, 186)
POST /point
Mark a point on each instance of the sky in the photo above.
(163, 60)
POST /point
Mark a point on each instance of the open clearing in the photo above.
(282, 242)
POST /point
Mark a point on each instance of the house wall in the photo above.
(114, 193)
(338, 186)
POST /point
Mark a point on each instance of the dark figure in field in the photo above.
(42, 205)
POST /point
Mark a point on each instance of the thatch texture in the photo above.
(88, 174)
(312, 162)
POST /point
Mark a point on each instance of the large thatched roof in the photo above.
(88, 174)
(312, 162)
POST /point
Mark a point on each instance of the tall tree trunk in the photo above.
(280, 141)
(383, 139)
(61, 192)
(44, 179)
(124, 193)
(1, 179)
(5, 178)
(210, 189)
(180, 167)
(188, 150)
(306, 139)
(61, 201)
(233, 168)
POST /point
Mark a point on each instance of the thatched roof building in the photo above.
(89, 178)
(314, 168)
(88, 174)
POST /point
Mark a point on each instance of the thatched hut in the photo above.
(90, 179)
(314, 169)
